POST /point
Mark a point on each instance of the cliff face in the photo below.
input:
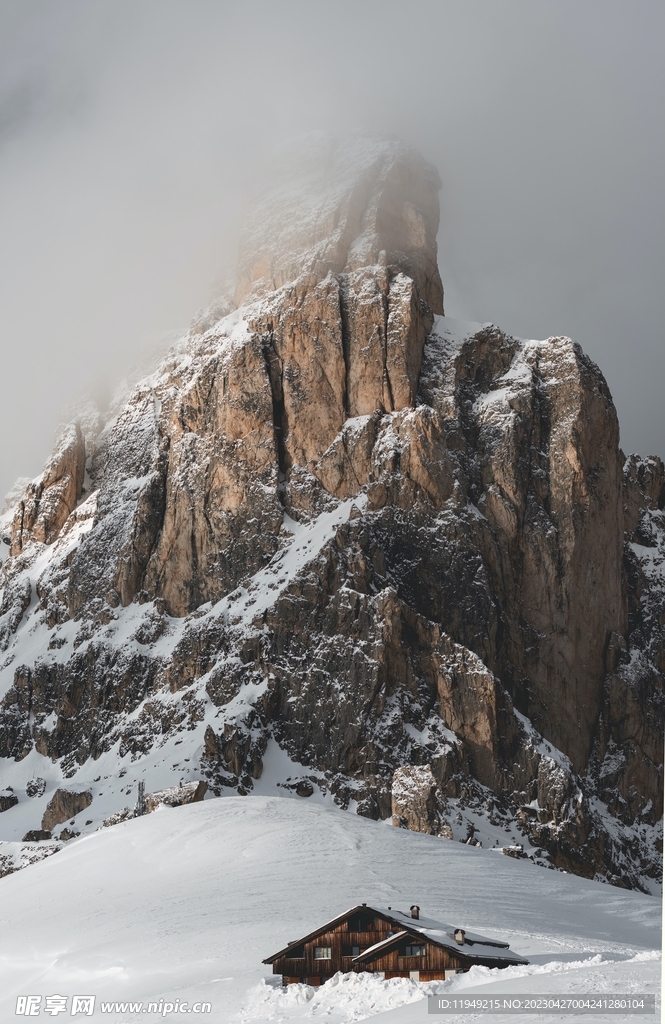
(338, 524)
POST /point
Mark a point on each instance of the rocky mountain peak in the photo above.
(340, 542)
(338, 205)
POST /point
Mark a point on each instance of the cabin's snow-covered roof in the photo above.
(428, 924)
(474, 945)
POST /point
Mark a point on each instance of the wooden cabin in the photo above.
(388, 942)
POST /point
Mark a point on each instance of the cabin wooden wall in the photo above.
(307, 967)
(435, 962)
(432, 966)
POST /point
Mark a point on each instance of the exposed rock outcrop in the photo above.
(36, 835)
(65, 804)
(176, 796)
(8, 799)
(35, 787)
(417, 802)
(627, 764)
(48, 501)
(406, 550)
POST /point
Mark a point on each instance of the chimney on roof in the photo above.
(459, 936)
(415, 912)
(364, 904)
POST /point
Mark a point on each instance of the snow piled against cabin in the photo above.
(185, 903)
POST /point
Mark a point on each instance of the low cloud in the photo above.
(131, 135)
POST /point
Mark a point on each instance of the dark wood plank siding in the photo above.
(435, 960)
(393, 963)
(337, 938)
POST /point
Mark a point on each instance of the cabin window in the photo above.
(417, 950)
(295, 952)
(351, 951)
(323, 953)
(361, 923)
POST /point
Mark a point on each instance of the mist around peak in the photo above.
(131, 138)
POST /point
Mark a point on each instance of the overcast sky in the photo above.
(129, 132)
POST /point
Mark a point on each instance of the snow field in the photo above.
(185, 903)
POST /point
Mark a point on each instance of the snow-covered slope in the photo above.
(185, 904)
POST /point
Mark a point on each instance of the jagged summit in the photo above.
(338, 205)
(337, 537)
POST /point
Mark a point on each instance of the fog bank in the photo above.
(130, 136)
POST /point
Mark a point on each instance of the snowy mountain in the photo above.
(184, 904)
(342, 545)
